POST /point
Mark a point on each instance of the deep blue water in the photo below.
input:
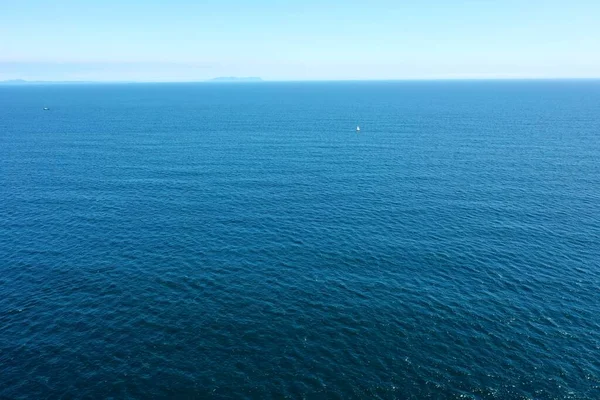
(242, 240)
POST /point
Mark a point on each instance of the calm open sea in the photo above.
(243, 240)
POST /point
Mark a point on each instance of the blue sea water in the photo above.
(243, 241)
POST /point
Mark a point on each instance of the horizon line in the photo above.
(262, 80)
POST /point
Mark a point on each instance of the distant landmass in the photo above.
(14, 82)
(24, 82)
(235, 79)
(219, 79)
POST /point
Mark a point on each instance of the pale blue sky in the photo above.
(181, 40)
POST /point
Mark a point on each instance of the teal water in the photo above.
(243, 241)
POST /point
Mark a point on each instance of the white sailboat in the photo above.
(357, 128)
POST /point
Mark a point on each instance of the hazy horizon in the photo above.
(374, 80)
(332, 40)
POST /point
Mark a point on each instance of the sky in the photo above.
(191, 40)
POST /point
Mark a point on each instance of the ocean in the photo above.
(244, 241)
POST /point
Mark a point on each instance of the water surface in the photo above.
(242, 240)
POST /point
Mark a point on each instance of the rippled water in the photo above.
(189, 240)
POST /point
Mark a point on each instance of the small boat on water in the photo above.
(358, 129)
(46, 109)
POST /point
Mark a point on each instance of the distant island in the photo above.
(223, 79)
(235, 79)
(14, 82)
(24, 82)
